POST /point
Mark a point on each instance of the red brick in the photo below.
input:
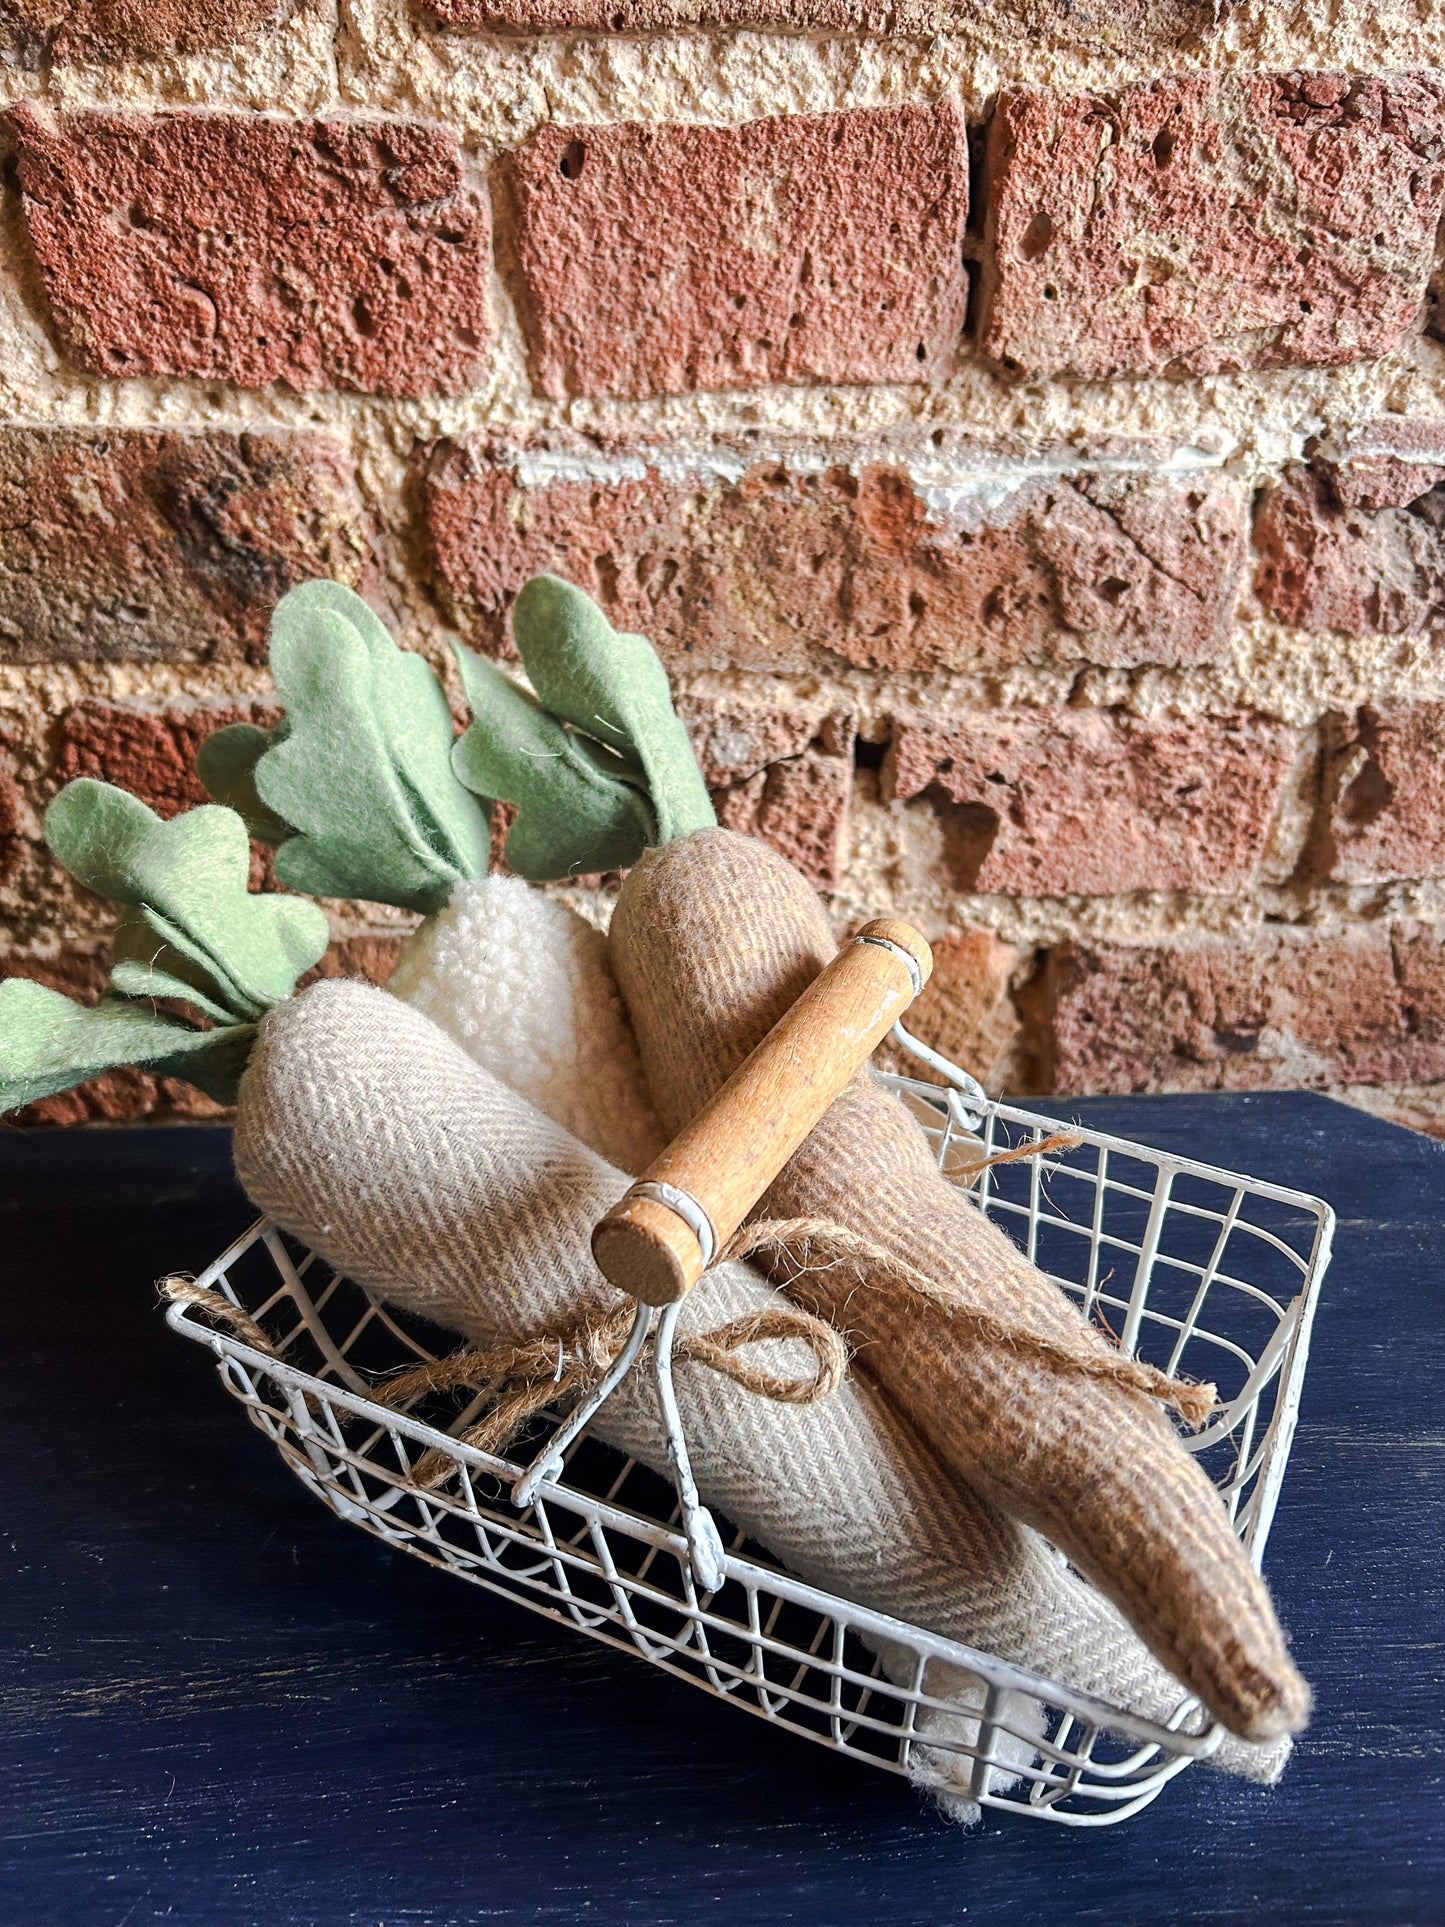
(1058, 802)
(32, 31)
(657, 259)
(1210, 222)
(147, 545)
(1276, 1008)
(1389, 819)
(780, 773)
(1355, 541)
(151, 753)
(1121, 26)
(795, 565)
(340, 254)
(10, 801)
(12, 815)
(125, 1096)
(1435, 308)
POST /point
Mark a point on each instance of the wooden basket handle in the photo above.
(660, 1237)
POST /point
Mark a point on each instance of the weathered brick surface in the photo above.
(793, 566)
(1281, 1007)
(371, 957)
(780, 773)
(1123, 26)
(122, 1097)
(64, 30)
(149, 545)
(657, 259)
(336, 254)
(1057, 802)
(1356, 542)
(1210, 222)
(12, 812)
(151, 753)
(1389, 818)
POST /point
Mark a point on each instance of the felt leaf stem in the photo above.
(612, 687)
(226, 766)
(575, 815)
(191, 932)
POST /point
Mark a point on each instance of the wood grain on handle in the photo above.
(728, 1156)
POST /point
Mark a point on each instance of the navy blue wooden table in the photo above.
(223, 1706)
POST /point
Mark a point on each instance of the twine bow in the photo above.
(525, 1376)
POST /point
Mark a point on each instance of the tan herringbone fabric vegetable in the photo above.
(368, 1133)
(713, 938)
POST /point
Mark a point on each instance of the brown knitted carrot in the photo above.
(714, 936)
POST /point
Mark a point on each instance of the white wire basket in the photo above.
(1197, 1269)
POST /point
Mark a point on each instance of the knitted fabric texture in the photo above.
(713, 938)
(369, 1134)
(523, 984)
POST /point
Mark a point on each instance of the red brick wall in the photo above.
(1019, 425)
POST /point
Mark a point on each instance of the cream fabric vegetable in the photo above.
(523, 985)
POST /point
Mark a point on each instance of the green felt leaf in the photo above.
(612, 687)
(146, 940)
(226, 766)
(188, 878)
(144, 964)
(363, 770)
(150, 981)
(574, 816)
(48, 1043)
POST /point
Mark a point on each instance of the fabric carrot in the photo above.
(713, 937)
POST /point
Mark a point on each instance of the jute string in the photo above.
(526, 1376)
(799, 1238)
(1055, 1141)
(182, 1289)
(558, 1364)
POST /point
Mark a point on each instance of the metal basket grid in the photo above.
(1152, 1245)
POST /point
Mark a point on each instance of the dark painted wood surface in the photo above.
(223, 1706)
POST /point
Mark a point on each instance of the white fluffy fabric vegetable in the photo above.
(523, 984)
